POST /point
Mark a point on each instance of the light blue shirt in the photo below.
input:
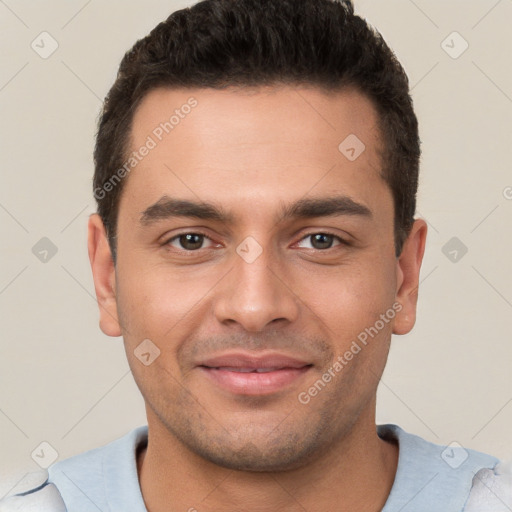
(429, 478)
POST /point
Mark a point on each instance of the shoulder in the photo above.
(434, 477)
(34, 493)
(491, 490)
(104, 478)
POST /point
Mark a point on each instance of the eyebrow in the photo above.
(167, 207)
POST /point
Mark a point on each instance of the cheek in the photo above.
(159, 303)
(350, 298)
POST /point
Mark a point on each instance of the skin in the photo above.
(249, 152)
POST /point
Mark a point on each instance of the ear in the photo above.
(408, 274)
(103, 272)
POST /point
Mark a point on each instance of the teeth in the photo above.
(234, 369)
(247, 370)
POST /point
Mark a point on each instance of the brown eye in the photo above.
(322, 241)
(188, 241)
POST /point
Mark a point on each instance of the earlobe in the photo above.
(103, 271)
(408, 273)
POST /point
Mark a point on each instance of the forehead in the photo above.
(247, 145)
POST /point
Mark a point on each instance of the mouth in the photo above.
(245, 374)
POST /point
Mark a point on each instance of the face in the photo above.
(257, 256)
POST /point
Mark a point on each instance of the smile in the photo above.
(253, 381)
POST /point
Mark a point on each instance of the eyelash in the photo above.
(176, 237)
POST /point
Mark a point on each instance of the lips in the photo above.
(247, 374)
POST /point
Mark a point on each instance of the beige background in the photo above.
(62, 381)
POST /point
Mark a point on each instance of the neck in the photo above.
(356, 473)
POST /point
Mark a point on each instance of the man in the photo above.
(255, 245)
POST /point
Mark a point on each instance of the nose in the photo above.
(255, 294)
